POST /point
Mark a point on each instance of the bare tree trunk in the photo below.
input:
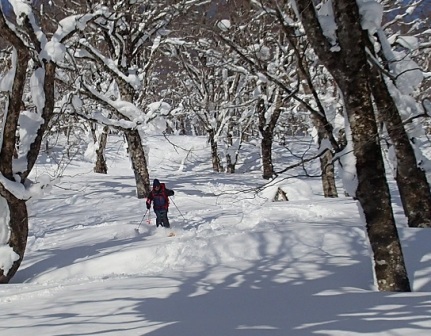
(230, 166)
(100, 166)
(324, 132)
(217, 167)
(318, 117)
(139, 162)
(182, 126)
(411, 180)
(232, 152)
(326, 165)
(328, 175)
(266, 150)
(230, 163)
(373, 191)
(266, 129)
(18, 223)
(17, 219)
(350, 70)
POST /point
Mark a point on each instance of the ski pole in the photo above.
(143, 219)
(177, 209)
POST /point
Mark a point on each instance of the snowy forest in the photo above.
(354, 74)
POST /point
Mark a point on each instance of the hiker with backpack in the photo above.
(159, 196)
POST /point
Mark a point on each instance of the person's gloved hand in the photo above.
(148, 206)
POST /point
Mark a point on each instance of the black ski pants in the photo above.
(162, 218)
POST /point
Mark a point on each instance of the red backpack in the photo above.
(160, 198)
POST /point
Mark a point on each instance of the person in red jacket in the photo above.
(159, 196)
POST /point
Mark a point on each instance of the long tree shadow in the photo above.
(64, 257)
(265, 300)
(282, 293)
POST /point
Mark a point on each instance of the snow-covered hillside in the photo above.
(238, 265)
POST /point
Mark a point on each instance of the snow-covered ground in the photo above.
(238, 265)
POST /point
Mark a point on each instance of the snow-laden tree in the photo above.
(218, 72)
(312, 96)
(276, 53)
(253, 48)
(336, 34)
(119, 51)
(268, 111)
(36, 56)
(216, 95)
(395, 78)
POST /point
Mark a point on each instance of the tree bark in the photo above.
(215, 159)
(411, 179)
(266, 129)
(139, 163)
(100, 167)
(18, 219)
(318, 117)
(230, 159)
(18, 223)
(328, 175)
(266, 150)
(349, 68)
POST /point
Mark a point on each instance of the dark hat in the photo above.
(156, 183)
